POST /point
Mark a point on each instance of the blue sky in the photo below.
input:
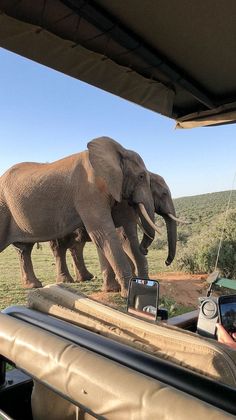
(45, 115)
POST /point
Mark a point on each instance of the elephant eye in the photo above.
(141, 177)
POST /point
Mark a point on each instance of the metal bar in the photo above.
(102, 20)
(187, 320)
(212, 392)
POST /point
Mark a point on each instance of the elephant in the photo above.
(164, 207)
(125, 220)
(46, 201)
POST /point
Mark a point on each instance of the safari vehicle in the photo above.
(85, 360)
(185, 70)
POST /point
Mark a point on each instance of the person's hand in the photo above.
(225, 338)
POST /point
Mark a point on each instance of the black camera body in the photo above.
(213, 309)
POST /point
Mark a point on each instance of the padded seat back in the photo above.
(100, 386)
(184, 348)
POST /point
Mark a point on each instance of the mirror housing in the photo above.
(143, 298)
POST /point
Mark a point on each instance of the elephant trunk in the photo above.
(171, 227)
(148, 228)
(145, 243)
(172, 238)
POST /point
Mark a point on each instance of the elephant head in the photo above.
(123, 175)
(164, 207)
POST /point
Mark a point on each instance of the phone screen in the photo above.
(228, 313)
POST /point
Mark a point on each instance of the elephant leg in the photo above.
(102, 231)
(80, 269)
(117, 259)
(137, 259)
(59, 249)
(130, 244)
(110, 283)
(28, 278)
(132, 265)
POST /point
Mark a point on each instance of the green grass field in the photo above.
(12, 292)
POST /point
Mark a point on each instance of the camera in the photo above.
(220, 309)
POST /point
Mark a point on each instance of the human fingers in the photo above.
(223, 336)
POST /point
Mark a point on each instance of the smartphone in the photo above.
(227, 312)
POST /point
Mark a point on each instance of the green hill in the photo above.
(198, 242)
(201, 209)
(204, 205)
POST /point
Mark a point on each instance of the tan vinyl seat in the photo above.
(184, 348)
(103, 387)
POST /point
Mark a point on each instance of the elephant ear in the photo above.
(105, 156)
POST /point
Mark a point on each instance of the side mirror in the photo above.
(143, 298)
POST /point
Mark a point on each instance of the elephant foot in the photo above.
(86, 276)
(65, 278)
(124, 292)
(110, 283)
(32, 284)
(115, 289)
(111, 288)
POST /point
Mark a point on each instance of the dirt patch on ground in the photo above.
(102, 297)
(184, 289)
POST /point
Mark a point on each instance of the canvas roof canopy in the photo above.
(176, 58)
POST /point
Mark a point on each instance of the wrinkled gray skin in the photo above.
(125, 220)
(42, 202)
(163, 206)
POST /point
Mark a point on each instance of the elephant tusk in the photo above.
(185, 222)
(148, 219)
(144, 231)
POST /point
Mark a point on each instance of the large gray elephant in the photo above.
(41, 202)
(125, 220)
(128, 234)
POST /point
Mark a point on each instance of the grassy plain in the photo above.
(12, 293)
(200, 210)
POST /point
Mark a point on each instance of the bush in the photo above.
(200, 253)
(183, 236)
(159, 243)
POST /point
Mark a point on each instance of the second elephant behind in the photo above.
(125, 220)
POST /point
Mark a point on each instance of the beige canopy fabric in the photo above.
(76, 61)
(174, 58)
(221, 115)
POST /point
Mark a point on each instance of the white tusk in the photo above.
(144, 231)
(178, 220)
(148, 219)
